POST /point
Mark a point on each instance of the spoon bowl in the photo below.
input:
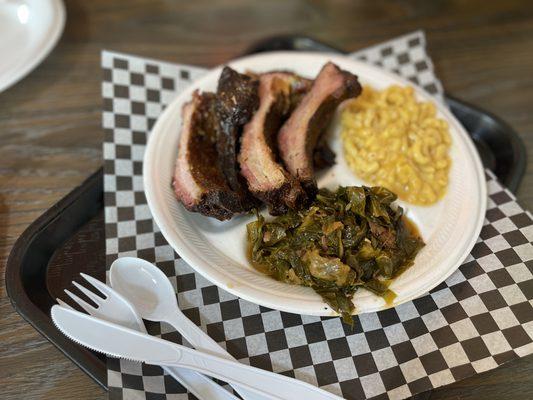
(144, 285)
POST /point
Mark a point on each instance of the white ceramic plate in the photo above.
(29, 29)
(217, 249)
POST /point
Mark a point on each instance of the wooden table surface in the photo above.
(50, 135)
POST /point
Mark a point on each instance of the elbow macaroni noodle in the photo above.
(391, 139)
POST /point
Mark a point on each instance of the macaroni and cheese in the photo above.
(390, 139)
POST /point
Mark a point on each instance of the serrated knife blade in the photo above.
(112, 339)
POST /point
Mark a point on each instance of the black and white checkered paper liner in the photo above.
(481, 317)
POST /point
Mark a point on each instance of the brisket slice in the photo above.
(298, 137)
(198, 182)
(267, 179)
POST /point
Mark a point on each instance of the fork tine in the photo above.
(93, 296)
(63, 304)
(82, 303)
(102, 287)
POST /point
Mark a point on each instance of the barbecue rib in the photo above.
(198, 182)
(267, 179)
(217, 170)
(300, 134)
(207, 179)
(236, 101)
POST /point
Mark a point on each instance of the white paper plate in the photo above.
(217, 249)
(29, 29)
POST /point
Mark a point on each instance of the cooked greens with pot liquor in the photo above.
(344, 240)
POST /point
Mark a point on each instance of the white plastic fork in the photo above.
(115, 308)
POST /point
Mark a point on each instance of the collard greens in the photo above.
(345, 240)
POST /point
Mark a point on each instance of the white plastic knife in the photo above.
(120, 342)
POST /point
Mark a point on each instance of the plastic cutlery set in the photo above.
(115, 327)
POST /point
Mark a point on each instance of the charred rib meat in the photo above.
(266, 177)
(299, 136)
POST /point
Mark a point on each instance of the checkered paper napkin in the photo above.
(481, 317)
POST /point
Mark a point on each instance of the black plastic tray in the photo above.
(69, 238)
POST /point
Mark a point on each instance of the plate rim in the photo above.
(54, 34)
(249, 293)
